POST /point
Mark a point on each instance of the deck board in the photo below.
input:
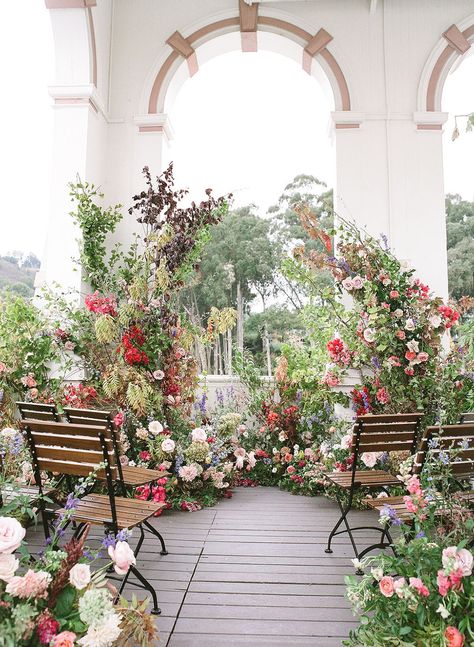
(251, 571)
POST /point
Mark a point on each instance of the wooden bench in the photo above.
(438, 439)
(129, 476)
(78, 450)
(384, 433)
(38, 411)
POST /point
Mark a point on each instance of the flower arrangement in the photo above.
(423, 593)
(55, 599)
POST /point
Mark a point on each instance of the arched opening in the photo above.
(458, 152)
(249, 124)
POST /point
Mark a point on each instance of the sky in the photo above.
(214, 146)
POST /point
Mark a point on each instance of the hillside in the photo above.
(16, 279)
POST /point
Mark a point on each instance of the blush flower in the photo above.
(199, 435)
(12, 534)
(122, 556)
(8, 566)
(454, 637)
(168, 445)
(33, 584)
(80, 576)
(417, 584)
(64, 639)
(386, 586)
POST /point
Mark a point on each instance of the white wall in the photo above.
(389, 173)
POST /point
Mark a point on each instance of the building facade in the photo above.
(120, 63)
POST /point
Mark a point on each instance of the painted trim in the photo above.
(343, 126)
(90, 22)
(249, 41)
(70, 4)
(233, 24)
(248, 16)
(458, 45)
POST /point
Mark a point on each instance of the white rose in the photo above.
(80, 576)
(398, 313)
(12, 534)
(377, 574)
(199, 435)
(369, 335)
(346, 441)
(168, 445)
(347, 284)
(435, 321)
(409, 324)
(8, 566)
(155, 427)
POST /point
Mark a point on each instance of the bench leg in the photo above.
(143, 581)
(343, 519)
(155, 532)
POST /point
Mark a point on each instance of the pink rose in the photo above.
(453, 637)
(12, 534)
(80, 576)
(64, 639)
(394, 294)
(158, 375)
(386, 586)
(290, 469)
(122, 556)
(118, 420)
(423, 357)
(410, 355)
(418, 585)
(400, 334)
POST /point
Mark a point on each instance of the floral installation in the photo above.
(56, 599)
(423, 593)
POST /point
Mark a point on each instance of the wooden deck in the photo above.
(252, 572)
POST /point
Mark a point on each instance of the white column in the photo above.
(80, 132)
(390, 180)
(144, 141)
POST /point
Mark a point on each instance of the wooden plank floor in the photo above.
(252, 571)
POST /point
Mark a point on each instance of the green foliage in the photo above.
(460, 238)
(95, 223)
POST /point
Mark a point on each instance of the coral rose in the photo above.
(12, 534)
(454, 637)
(64, 639)
(386, 586)
(122, 556)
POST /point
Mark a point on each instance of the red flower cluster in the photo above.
(338, 352)
(418, 290)
(273, 418)
(132, 354)
(79, 396)
(157, 494)
(47, 627)
(190, 506)
(361, 401)
(260, 453)
(170, 385)
(450, 315)
(101, 305)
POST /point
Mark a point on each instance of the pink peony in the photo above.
(188, 473)
(386, 586)
(122, 556)
(12, 534)
(444, 583)
(419, 587)
(34, 584)
(64, 639)
(454, 637)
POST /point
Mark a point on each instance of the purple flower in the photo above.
(420, 535)
(376, 363)
(71, 502)
(384, 239)
(108, 540)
